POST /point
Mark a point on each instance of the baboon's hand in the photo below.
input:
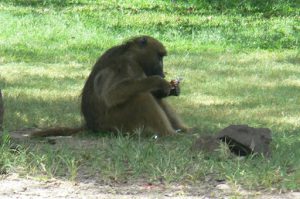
(166, 87)
(162, 85)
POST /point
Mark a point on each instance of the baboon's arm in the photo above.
(124, 90)
(159, 94)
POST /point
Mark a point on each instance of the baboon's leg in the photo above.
(172, 116)
(141, 111)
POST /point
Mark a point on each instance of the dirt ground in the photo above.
(13, 186)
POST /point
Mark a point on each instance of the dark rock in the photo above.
(242, 140)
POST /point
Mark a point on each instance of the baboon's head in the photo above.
(149, 54)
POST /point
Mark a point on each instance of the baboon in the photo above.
(126, 90)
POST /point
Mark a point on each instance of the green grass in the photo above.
(238, 68)
(79, 32)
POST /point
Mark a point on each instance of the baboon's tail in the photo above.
(58, 131)
(37, 132)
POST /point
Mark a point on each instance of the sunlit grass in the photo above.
(79, 33)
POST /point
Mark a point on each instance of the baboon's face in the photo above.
(150, 56)
(155, 64)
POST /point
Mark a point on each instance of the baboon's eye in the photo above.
(143, 41)
(160, 55)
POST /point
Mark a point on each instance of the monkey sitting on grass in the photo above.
(126, 90)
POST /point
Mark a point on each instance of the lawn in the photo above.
(239, 65)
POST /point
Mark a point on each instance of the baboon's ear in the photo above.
(143, 41)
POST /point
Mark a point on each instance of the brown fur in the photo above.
(125, 92)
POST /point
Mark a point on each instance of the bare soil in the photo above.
(13, 186)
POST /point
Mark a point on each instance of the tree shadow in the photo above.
(45, 3)
(92, 152)
(25, 111)
(270, 110)
(292, 59)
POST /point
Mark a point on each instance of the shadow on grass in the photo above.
(295, 59)
(25, 111)
(116, 159)
(258, 107)
(44, 3)
(63, 110)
